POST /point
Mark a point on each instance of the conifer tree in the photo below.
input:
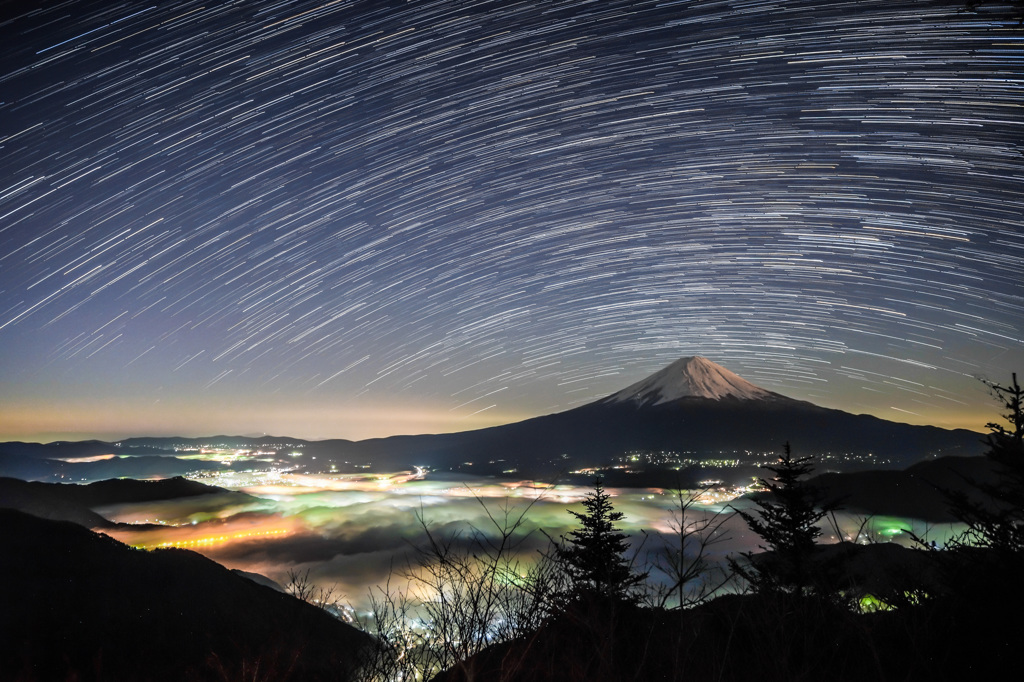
(996, 520)
(787, 523)
(593, 555)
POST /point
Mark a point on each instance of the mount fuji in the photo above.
(693, 407)
(694, 410)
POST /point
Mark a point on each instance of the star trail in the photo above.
(354, 219)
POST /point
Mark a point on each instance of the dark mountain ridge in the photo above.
(76, 503)
(916, 492)
(79, 605)
(47, 501)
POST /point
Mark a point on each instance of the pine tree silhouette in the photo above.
(787, 522)
(996, 521)
(593, 555)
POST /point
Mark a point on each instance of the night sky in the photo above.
(350, 219)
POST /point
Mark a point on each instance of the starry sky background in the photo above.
(352, 219)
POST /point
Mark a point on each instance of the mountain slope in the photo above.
(693, 407)
(78, 605)
(47, 501)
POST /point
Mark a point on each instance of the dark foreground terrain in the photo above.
(765, 638)
(77, 605)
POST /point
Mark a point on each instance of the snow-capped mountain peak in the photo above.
(690, 377)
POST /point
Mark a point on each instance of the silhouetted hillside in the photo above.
(122, 490)
(147, 446)
(915, 492)
(71, 502)
(78, 605)
(48, 501)
(84, 448)
(768, 638)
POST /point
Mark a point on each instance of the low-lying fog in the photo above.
(351, 532)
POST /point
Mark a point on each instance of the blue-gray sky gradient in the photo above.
(345, 219)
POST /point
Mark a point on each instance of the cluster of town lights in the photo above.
(212, 540)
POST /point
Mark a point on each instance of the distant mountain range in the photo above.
(693, 408)
(39, 462)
